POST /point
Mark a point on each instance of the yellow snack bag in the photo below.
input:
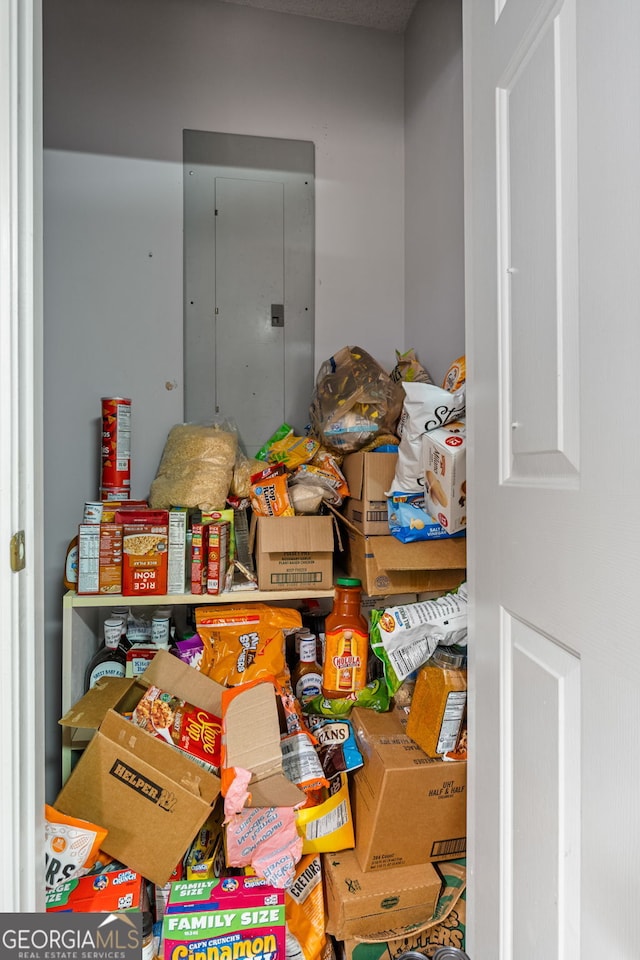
(304, 909)
(328, 826)
(71, 846)
(456, 375)
(292, 451)
(244, 642)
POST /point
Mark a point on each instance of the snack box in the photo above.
(102, 893)
(222, 893)
(444, 454)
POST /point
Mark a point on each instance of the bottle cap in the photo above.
(447, 658)
(348, 582)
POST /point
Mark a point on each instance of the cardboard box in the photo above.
(151, 797)
(446, 928)
(361, 904)
(294, 552)
(444, 454)
(407, 808)
(387, 566)
(369, 476)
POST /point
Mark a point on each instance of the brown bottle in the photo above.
(344, 671)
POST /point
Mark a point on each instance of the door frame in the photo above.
(22, 760)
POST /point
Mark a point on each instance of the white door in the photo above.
(21, 635)
(552, 173)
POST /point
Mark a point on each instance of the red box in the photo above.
(102, 893)
(217, 555)
(199, 553)
(145, 545)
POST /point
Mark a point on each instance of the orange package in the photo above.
(244, 642)
(269, 493)
(305, 912)
(71, 846)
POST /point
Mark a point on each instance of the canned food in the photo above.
(116, 442)
(115, 493)
(92, 511)
(450, 953)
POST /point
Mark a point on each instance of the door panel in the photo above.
(249, 349)
(552, 149)
(235, 360)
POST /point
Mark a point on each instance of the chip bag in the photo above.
(71, 846)
(244, 642)
(305, 912)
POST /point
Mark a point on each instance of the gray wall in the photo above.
(434, 184)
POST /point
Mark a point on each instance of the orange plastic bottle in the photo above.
(344, 671)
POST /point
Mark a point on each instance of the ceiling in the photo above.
(389, 15)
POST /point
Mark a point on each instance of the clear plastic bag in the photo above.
(196, 468)
(354, 400)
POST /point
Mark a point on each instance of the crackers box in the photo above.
(444, 454)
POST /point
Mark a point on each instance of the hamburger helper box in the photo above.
(231, 916)
(152, 797)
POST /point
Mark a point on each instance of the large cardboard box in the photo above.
(152, 797)
(407, 808)
(362, 904)
(385, 565)
(293, 553)
(445, 928)
(369, 476)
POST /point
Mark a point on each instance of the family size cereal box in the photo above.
(102, 893)
(229, 926)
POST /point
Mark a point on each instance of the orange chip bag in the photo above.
(304, 910)
(269, 493)
(244, 642)
(71, 846)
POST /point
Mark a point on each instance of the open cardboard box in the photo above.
(150, 796)
(385, 565)
(369, 475)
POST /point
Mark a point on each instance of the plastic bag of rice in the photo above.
(196, 468)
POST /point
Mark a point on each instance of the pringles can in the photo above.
(116, 446)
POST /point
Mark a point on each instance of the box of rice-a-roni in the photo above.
(145, 542)
(231, 918)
